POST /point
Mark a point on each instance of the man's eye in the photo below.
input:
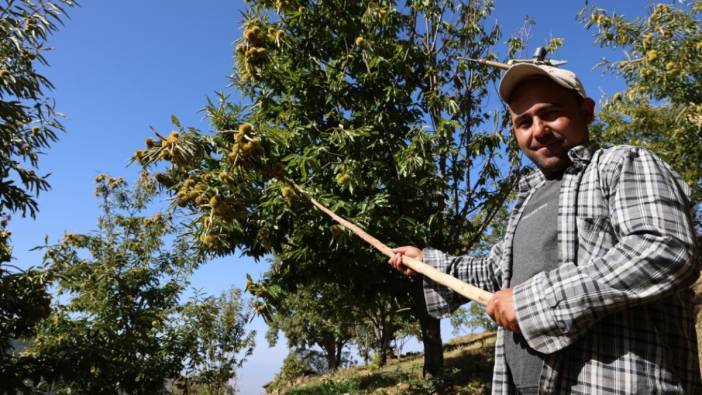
(550, 115)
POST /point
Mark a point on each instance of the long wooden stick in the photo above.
(473, 293)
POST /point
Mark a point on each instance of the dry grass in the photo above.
(467, 370)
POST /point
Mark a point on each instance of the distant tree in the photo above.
(471, 317)
(294, 366)
(309, 315)
(28, 124)
(329, 315)
(117, 296)
(375, 110)
(382, 318)
(408, 329)
(216, 340)
(661, 106)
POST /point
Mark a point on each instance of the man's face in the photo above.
(548, 120)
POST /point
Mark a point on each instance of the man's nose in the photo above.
(539, 128)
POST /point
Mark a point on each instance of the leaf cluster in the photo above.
(117, 324)
(660, 107)
(214, 334)
(116, 291)
(29, 121)
(374, 110)
(28, 124)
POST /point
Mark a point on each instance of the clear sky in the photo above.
(121, 66)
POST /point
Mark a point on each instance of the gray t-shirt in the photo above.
(535, 249)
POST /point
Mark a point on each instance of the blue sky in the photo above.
(121, 66)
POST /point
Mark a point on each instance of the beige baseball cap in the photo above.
(521, 72)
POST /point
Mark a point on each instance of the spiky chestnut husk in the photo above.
(225, 178)
(202, 200)
(245, 128)
(208, 239)
(343, 179)
(652, 55)
(251, 147)
(289, 195)
(255, 54)
(173, 137)
(200, 187)
(164, 180)
(253, 35)
(241, 49)
(183, 199)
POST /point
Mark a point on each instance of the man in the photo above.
(592, 277)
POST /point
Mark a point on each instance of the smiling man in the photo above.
(591, 278)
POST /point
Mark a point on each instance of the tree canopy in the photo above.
(28, 124)
(116, 322)
(374, 112)
(660, 107)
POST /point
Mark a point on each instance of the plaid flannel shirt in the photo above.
(615, 316)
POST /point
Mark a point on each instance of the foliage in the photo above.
(215, 336)
(117, 292)
(293, 368)
(311, 315)
(471, 317)
(660, 107)
(384, 322)
(24, 301)
(28, 124)
(29, 120)
(375, 110)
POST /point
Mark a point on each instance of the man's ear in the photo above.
(587, 106)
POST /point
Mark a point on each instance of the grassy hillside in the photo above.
(468, 370)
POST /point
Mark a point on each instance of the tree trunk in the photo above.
(431, 335)
(329, 347)
(339, 351)
(379, 334)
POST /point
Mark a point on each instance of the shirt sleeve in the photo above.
(650, 257)
(482, 272)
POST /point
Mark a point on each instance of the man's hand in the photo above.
(501, 309)
(396, 260)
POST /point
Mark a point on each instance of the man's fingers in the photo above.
(410, 251)
(501, 310)
(490, 310)
(396, 261)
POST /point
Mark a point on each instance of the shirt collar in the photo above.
(582, 154)
(531, 180)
